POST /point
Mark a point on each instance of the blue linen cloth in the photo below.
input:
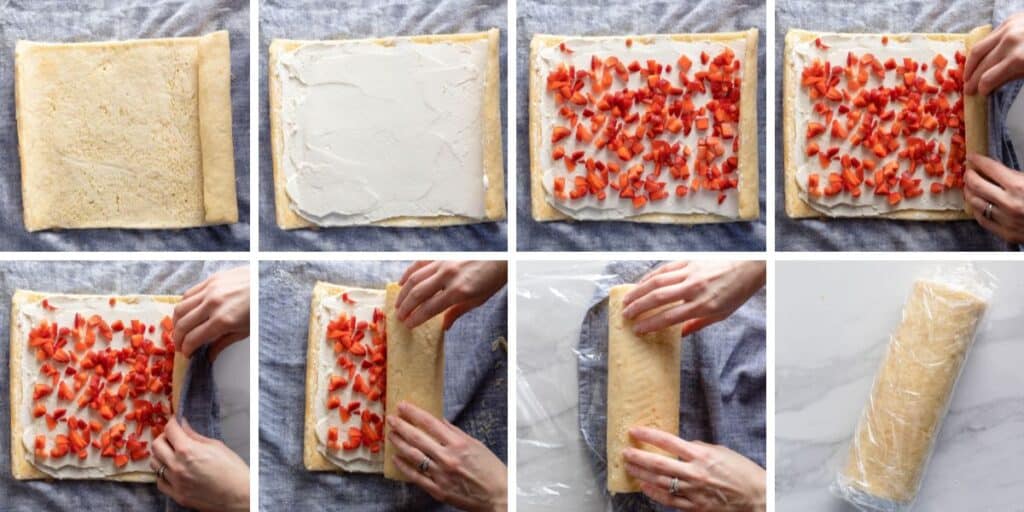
(723, 382)
(351, 19)
(80, 21)
(475, 391)
(604, 17)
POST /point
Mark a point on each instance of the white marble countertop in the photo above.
(833, 321)
(553, 469)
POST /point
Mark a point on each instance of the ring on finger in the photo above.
(673, 487)
(988, 211)
(424, 466)
(160, 473)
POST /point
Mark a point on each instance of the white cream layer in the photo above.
(373, 132)
(666, 51)
(917, 47)
(361, 459)
(144, 309)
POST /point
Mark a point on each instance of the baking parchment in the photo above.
(71, 21)
(723, 392)
(603, 17)
(350, 19)
(884, 16)
(475, 393)
(198, 395)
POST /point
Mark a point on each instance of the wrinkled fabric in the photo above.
(71, 21)
(354, 19)
(722, 390)
(591, 18)
(475, 391)
(954, 16)
(199, 398)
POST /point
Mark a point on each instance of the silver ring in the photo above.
(673, 487)
(424, 465)
(988, 211)
(160, 473)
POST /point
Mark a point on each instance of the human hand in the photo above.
(709, 477)
(201, 473)
(989, 182)
(710, 291)
(996, 59)
(461, 471)
(215, 311)
(430, 287)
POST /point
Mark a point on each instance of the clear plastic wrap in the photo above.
(910, 397)
(560, 414)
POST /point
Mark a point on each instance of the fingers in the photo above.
(165, 487)
(415, 437)
(176, 436)
(657, 463)
(661, 280)
(418, 293)
(987, 60)
(195, 290)
(414, 279)
(662, 496)
(984, 189)
(187, 315)
(460, 309)
(163, 454)
(431, 307)
(995, 76)
(417, 478)
(993, 170)
(196, 337)
(425, 421)
(977, 54)
(992, 226)
(671, 316)
(646, 475)
(407, 451)
(666, 267)
(411, 270)
(668, 442)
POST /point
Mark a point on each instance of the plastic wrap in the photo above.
(910, 397)
(562, 362)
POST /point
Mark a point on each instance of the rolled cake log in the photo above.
(415, 370)
(911, 394)
(643, 387)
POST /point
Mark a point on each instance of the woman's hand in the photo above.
(201, 473)
(459, 470)
(990, 182)
(709, 477)
(710, 291)
(214, 311)
(996, 59)
(430, 287)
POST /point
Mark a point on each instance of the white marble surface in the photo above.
(833, 321)
(553, 468)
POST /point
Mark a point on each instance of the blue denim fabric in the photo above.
(874, 234)
(68, 21)
(475, 397)
(723, 382)
(198, 404)
(327, 19)
(617, 18)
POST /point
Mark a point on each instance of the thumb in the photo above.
(196, 436)
(695, 324)
(458, 310)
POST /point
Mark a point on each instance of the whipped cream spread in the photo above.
(664, 50)
(377, 131)
(144, 309)
(917, 47)
(361, 459)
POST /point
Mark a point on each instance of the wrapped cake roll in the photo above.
(911, 394)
